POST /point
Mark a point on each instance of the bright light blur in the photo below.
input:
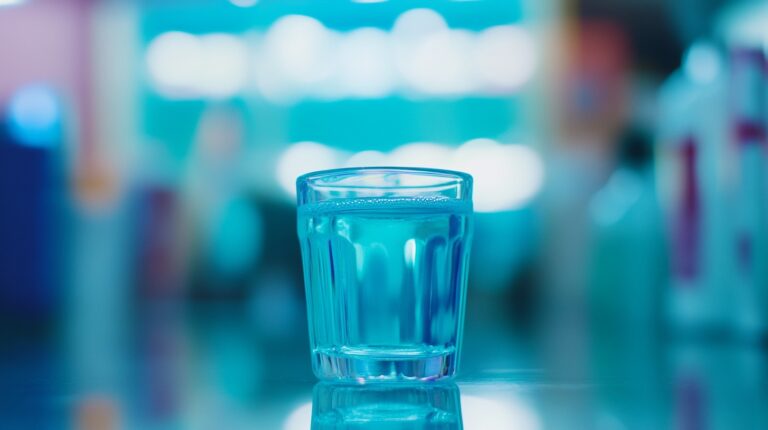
(365, 66)
(225, 69)
(304, 157)
(437, 64)
(417, 24)
(702, 63)
(368, 158)
(11, 2)
(506, 177)
(505, 57)
(298, 57)
(174, 61)
(300, 418)
(244, 3)
(430, 57)
(497, 414)
(34, 115)
(301, 48)
(421, 154)
(182, 65)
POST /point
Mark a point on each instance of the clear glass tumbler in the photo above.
(385, 253)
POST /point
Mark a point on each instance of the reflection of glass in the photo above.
(385, 255)
(386, 407)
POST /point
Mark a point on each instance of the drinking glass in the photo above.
(385, 253)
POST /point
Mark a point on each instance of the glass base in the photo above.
(373, 366)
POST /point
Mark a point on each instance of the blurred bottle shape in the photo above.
(158, 232)
(628, 264)
(161, 357)
(695, 387)
(749, 237)
(221, 221)
(628, 272)
(590, 99)
(717, 385)
(591, 95)
(691, 183)
(743, 27)
(99, 296)
(31, 136)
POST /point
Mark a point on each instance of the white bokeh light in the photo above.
(430, 58)
(244, 3)
(417, 23)
(367, 159)
(702, 63)
(174, 61)
(299, 58)
(34, 115)
(437, 63)
(300, 418)
(365, 63)
(304, 157)
(270, 82)
(184, 66)
(505, 57)
(501, 414)
(11, 2)
(421, 154)
(226, 65)
(506, 177)
(301, 48)
(34, 106)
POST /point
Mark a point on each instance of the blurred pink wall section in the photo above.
(44, 40)
(49, 41)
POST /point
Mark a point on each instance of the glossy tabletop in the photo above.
(229, 366)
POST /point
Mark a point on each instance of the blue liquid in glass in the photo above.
(386, 283)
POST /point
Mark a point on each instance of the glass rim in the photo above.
(451, 177)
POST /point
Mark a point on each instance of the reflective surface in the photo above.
(430, 406)
(149, 269)
(225, 366)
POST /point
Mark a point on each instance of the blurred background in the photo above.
(150, 273)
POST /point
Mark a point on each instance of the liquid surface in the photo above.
(385, 277)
